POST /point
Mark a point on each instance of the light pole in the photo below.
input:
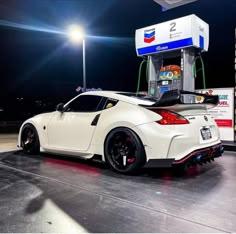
(76, 34)
(84, 65)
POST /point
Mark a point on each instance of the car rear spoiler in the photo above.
(177, 97)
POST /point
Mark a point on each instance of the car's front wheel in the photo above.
(30, 140)
(124, 151)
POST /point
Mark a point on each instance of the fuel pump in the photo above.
(170, 78)
(184, 39)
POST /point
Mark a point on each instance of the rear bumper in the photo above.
(196, 157)
(202, 155)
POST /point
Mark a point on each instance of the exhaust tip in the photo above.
(198, 158)
(222, 149)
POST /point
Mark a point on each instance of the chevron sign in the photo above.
(149, 35)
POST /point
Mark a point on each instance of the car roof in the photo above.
(121, 96)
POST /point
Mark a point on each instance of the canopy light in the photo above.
(169, 4)
(75, 33)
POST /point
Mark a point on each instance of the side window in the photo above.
(110, 103)
(85, 103)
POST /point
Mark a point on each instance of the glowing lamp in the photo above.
(75, 33)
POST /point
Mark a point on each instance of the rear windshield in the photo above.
(140, 96)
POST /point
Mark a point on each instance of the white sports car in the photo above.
(128, 131)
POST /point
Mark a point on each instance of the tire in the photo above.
(30, 139)
(124, 151)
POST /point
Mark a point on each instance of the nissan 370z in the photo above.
(128, 131)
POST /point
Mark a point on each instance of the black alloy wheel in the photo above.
(124, 151)
(30, 140)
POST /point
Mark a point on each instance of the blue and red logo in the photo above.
(149, 35)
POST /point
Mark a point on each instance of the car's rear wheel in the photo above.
(124, 151)
(30, 140)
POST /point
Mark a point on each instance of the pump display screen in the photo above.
(164, 89)
(165, 82)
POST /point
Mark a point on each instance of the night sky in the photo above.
(37, 64)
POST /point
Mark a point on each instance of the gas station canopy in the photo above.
(169, 4)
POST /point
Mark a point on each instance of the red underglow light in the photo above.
(77, 166)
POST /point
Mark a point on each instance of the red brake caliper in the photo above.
(130, 160)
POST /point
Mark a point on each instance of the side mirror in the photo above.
(60, 107)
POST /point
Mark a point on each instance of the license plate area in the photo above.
(206, 133)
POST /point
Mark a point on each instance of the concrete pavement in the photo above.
(8, 142)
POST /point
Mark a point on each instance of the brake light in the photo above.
(170, 118)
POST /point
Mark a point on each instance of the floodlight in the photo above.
(75, 33)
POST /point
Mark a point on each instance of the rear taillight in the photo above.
(169, 117)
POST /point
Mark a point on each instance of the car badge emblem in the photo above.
(205, 117)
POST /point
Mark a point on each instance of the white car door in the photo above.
(74, 128)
